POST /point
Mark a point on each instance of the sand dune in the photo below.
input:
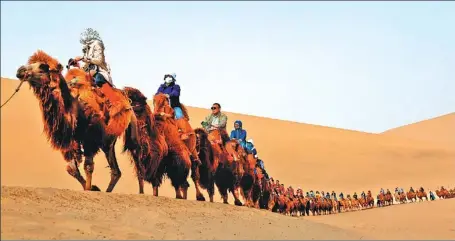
(439, 130)
(310, 156)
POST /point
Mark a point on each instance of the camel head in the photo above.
(78, 78)
(41, 71)
(138, 100)
(161, 104)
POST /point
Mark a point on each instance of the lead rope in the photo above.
(17, 90)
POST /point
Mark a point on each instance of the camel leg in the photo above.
(211, 191)
(235, 192)
(184, 189)
(178, 193)
(89, 167)
(109, 151)
(195, 177)
(73, 169)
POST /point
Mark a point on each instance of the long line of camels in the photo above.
(80, 120)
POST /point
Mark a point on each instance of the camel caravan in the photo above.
(84, 113)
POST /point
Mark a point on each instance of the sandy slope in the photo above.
(48, 213)
(440, 130)
(313, 157)
(36, 213)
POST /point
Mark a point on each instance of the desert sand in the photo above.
(310, 156)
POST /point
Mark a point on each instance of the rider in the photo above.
(260, 164)
(238, 133)
(341, 195)
(411, 190)
(95, 62)
(311, 193)
(334, 195)
(250, 149)
(172, 91)
(421, 189)
(317, 194)
(327, 195)
(307, 195)
(355, 195)
(382, 190)
(216, 120)
(363, 195)
(388, 191)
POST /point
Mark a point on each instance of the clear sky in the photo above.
(366, 66)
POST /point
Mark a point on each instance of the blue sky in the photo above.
(366, 66)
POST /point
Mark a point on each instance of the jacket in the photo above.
(239, 134)
(173, 90)
(251, 149)
(209, 119)
(94, 56)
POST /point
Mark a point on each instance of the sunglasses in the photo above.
(214, 108)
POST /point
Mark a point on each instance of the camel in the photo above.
(411, 196)
(261, 190)
(248, 178)
(421, 194)
(400, 197)
(388, 198)
(443, 193)
(228, 173)
(370, 200)
(209, 154)
(152, 148)
(186, 134)
(178, 161)
(78, 120)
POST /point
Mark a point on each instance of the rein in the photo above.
(17, 90)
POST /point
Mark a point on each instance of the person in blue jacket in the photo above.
(250, 149)
(238, 133)
(172, 91)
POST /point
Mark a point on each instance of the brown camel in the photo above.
(411, 196)
(79, 125)
(209, 155)
(187, 135)
(178, 161)
(152, 148)
(228, 173)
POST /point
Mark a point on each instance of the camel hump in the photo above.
(185, 112)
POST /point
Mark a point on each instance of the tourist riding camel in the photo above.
(260, 164)
(250, 149)
(341, 195)
(216, 120)
(411, 189)
(239, 133)
(312, 194)
(172, 91)
(95, 62)
(363, 195)
(334, 195)
(355, 195)
(327, 195)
